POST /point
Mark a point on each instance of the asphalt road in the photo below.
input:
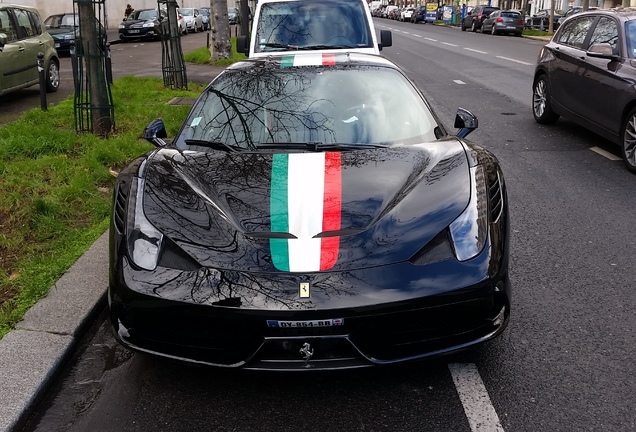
(566, 361)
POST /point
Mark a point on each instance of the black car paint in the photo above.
(215, 287)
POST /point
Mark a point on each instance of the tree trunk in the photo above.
(97, 85)
(221, 44)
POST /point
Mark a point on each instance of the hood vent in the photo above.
(119, 212)
(496, 198)
(438, 249)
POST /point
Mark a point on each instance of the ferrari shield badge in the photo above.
(304, 290)
(307, 352)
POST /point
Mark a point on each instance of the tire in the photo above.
(492, 30)
(473, 27)
(463, 26)
(541, 109)
(628, 141)
(52, 76)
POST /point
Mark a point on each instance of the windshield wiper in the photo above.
(320, 47)
(317, 146)
(218, 145)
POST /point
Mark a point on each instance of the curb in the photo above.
(31, 354)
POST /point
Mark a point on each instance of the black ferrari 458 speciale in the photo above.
(311, 213)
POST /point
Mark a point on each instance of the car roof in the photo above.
(314, 59)
(626, 14)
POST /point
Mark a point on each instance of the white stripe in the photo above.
(305, 191)
(308, 59)
(474, 397)
(516, 61)
(449, 44)
(417, 35)
(606, 154)
(433, 40)
(459, 82)
(474, 50)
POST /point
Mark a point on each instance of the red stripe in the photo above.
(332, 204)
(328, 59)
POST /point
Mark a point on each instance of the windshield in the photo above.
(326, 105)
(304, 24)
(630, 34)
(186, 12)
(147, 15)
(60, 21)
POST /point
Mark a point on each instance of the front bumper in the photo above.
(391, 329)
(138, 33)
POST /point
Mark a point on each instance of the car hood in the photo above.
(59, 33)
(136, 23)
(348, 210)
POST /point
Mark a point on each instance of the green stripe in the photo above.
(287, 61)
(278, 210)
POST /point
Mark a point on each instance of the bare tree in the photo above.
(221, 45)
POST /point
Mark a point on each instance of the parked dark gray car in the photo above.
(476, 17)
(587, 73)
(503, 21)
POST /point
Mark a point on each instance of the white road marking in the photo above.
(406, 32)
(449, 44)
(516, 61)
(432, 40)
(481, 415)
(417, 35)
(606, 154)
(459, 82)
(474, 50)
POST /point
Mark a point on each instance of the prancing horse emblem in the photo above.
(307, 352)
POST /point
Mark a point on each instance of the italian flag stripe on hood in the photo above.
(305, 200)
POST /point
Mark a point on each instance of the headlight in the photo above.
(470, 229)
(68, 37)
(149, 24)
(122, 26)
(144, 240)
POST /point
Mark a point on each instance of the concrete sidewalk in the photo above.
(31, 354)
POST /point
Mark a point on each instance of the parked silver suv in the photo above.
(22, 37)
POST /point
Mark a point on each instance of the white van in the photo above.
(326, 26)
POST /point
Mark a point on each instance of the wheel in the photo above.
(541, 102)
(629, 141)
(492, 30)
(463, 26)
(473, 27)
(52, 77)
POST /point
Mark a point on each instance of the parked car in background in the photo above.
(192, 18)
(503, 22)
(572, 11)
(587, 72)
(63, 28)
(142, 24)
(541, 20)
(406, 14)
(233, 15)
(419, 14)
(389, 11)
(326, 26)
(205, 17)
(257, 237)
(22, 37)
(476, 16)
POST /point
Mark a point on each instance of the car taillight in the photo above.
(521, 22)
(478, 16)
(499, 19)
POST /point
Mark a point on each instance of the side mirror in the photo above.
(386, 39)
(243, 45)
(602, 50)
(465, 121)
(155, 132)
(3, 40)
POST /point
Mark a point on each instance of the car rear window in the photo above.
(511, 15)
(489, 10)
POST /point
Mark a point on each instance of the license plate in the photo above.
(133, 31)
(304, 324)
